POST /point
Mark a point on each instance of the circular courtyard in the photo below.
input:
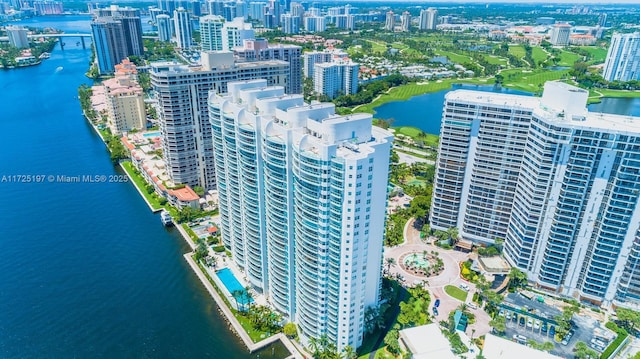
(421, 264)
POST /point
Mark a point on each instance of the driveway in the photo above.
(449, 276)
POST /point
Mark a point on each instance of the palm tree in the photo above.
(314, 345)
(236, 294)
(248, 296)
(453, 234)
(349, 353)
(390, 262)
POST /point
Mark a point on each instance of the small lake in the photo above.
(618, 106)
(425, 111)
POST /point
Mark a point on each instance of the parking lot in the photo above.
(530, 319)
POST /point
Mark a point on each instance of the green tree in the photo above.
(499, 324)
(290, 330)
(201, 249)
(390, 262)
(198, 190)
(517, 278)
(391, 341)
(582, 351)
(629, 319)
(349, 352)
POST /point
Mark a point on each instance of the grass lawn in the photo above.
(377, 46)
(495, 60)
(538, 54)
(598, 54)
(140, 182)
(454, 57)
(517, 51)
(190, 232)
(530, 81)
(254, 334)
(618, 93)
(456, 293)
(404, 92)
(418, 135)
(567, 58)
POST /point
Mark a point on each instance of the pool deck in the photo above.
(295, 349)
(234, 322)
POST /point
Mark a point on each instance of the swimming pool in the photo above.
(152, 134)
(230, 282)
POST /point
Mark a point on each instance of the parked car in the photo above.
(436, 303)
(472, 305)
(522, 321)
(508, 315)
(536, 325)
(544, 327)
(501, 313)
(435, 311)
(519, 338)
(464, 286)
(529, 323)
(552, 330)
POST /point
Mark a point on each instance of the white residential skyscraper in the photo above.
(559, 184)
(428, 19)
(405, 21)
(165, 27)
(219, 35)
(182, 92)
(560, 34)
(18, 36)
(211, 33)
(299, 208)
(336, 78)
(390, 21)
(182, 26)
(315, 23)
(235, 32)
(259, 50)
(623, 58)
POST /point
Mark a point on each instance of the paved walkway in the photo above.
(237, 327)
(449, 276)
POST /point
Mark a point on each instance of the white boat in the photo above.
(165, 217)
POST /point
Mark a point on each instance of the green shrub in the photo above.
(218, 249)
(622, 335)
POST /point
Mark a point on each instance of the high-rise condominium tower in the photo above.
(560, 34)
(300, 206)
(390, 21)
(623, 58)
(559, 184)
(182, 96)
(165, 27)
(259, 50)
(405, 21)
(182, 26)
(211, 27)
(117, 34)
(428, 19)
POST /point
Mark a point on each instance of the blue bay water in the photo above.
(425, 111)
(86, 270)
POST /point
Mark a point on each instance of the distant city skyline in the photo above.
(550, 2)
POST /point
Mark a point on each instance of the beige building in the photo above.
(124, 100)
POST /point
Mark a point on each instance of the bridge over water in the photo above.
(60, 37)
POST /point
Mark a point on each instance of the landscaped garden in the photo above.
(422, 264)
(456, 293)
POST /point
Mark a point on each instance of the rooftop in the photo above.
(185, 194)
(436, 346)
(499, 348)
